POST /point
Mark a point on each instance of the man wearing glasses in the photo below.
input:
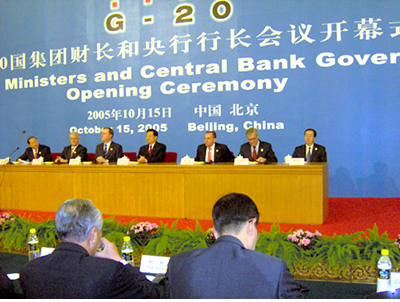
(256, 150)
(230, 268)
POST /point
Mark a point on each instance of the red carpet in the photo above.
(346, 215)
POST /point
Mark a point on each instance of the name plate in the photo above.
(154, 264)
(37, 161)
(394, 281)
(4, 161)
(187, 160)
(123, 161)
(75, 161)
(297, 161)
(240, 161)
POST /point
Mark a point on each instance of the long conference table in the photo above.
(283, 193)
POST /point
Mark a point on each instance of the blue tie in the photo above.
(308, 154)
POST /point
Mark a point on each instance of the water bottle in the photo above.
(33, 245)
(384, 267)
(127, 250)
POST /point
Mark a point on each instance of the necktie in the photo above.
(105, 149)
(254, 154)
(209, 154)
(151, 149)
(72, 151)
(308, 154)
(36, 153)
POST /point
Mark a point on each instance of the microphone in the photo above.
(12, 149)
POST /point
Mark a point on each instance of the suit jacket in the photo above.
(227, 270)
(6, 286)
(114, 152)
(43, 151)
(79, 151)
(221, 153)
(71, 273)
(157, 154)
(318, 154)
(264, 150)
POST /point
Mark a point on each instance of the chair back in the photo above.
(130, 155)
(54, 155)
(90, 156)
(170, 157)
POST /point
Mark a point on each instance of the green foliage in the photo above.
(339, 251)
(275, 243)
(14, 234)
(372, 245)
(47, 233)
(173, 241)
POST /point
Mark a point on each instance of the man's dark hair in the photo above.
(110, 131)
(315, 132)
(213, 133)
(30, 138)
(232, 211)
(155, 133)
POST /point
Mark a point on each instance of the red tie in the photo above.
(254, 154)
(35, 153)
(151, 149)
(209, 154)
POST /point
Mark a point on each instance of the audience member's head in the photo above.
(79, 221)
(237, 215)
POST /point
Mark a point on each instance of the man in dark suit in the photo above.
(230, 268)
(35, 151)
(256, 150)
(6, 286)
(77, 269)
(311, 152)
(108, 151)
(154, 152)
(72, 151)
(212, 152)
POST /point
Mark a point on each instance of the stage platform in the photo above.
(283, 193)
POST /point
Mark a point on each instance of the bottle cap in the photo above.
(127, 238)
(32, 231)
(385, 252)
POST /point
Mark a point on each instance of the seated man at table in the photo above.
(76, 269)
(212, 152)
(311, 152)
(230, 268)
(72, 151)
(108, 151)
(256, 150)
(154, 152)
(35, 151)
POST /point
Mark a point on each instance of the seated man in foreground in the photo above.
(230, 268)
(75, 269)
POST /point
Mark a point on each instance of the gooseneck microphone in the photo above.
(12, 149)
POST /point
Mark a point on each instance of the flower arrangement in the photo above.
(397, 242)
(5, 216)
(306, 239)
(210, 239)
(142, 232)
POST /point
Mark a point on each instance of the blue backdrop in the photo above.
(184, 67)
